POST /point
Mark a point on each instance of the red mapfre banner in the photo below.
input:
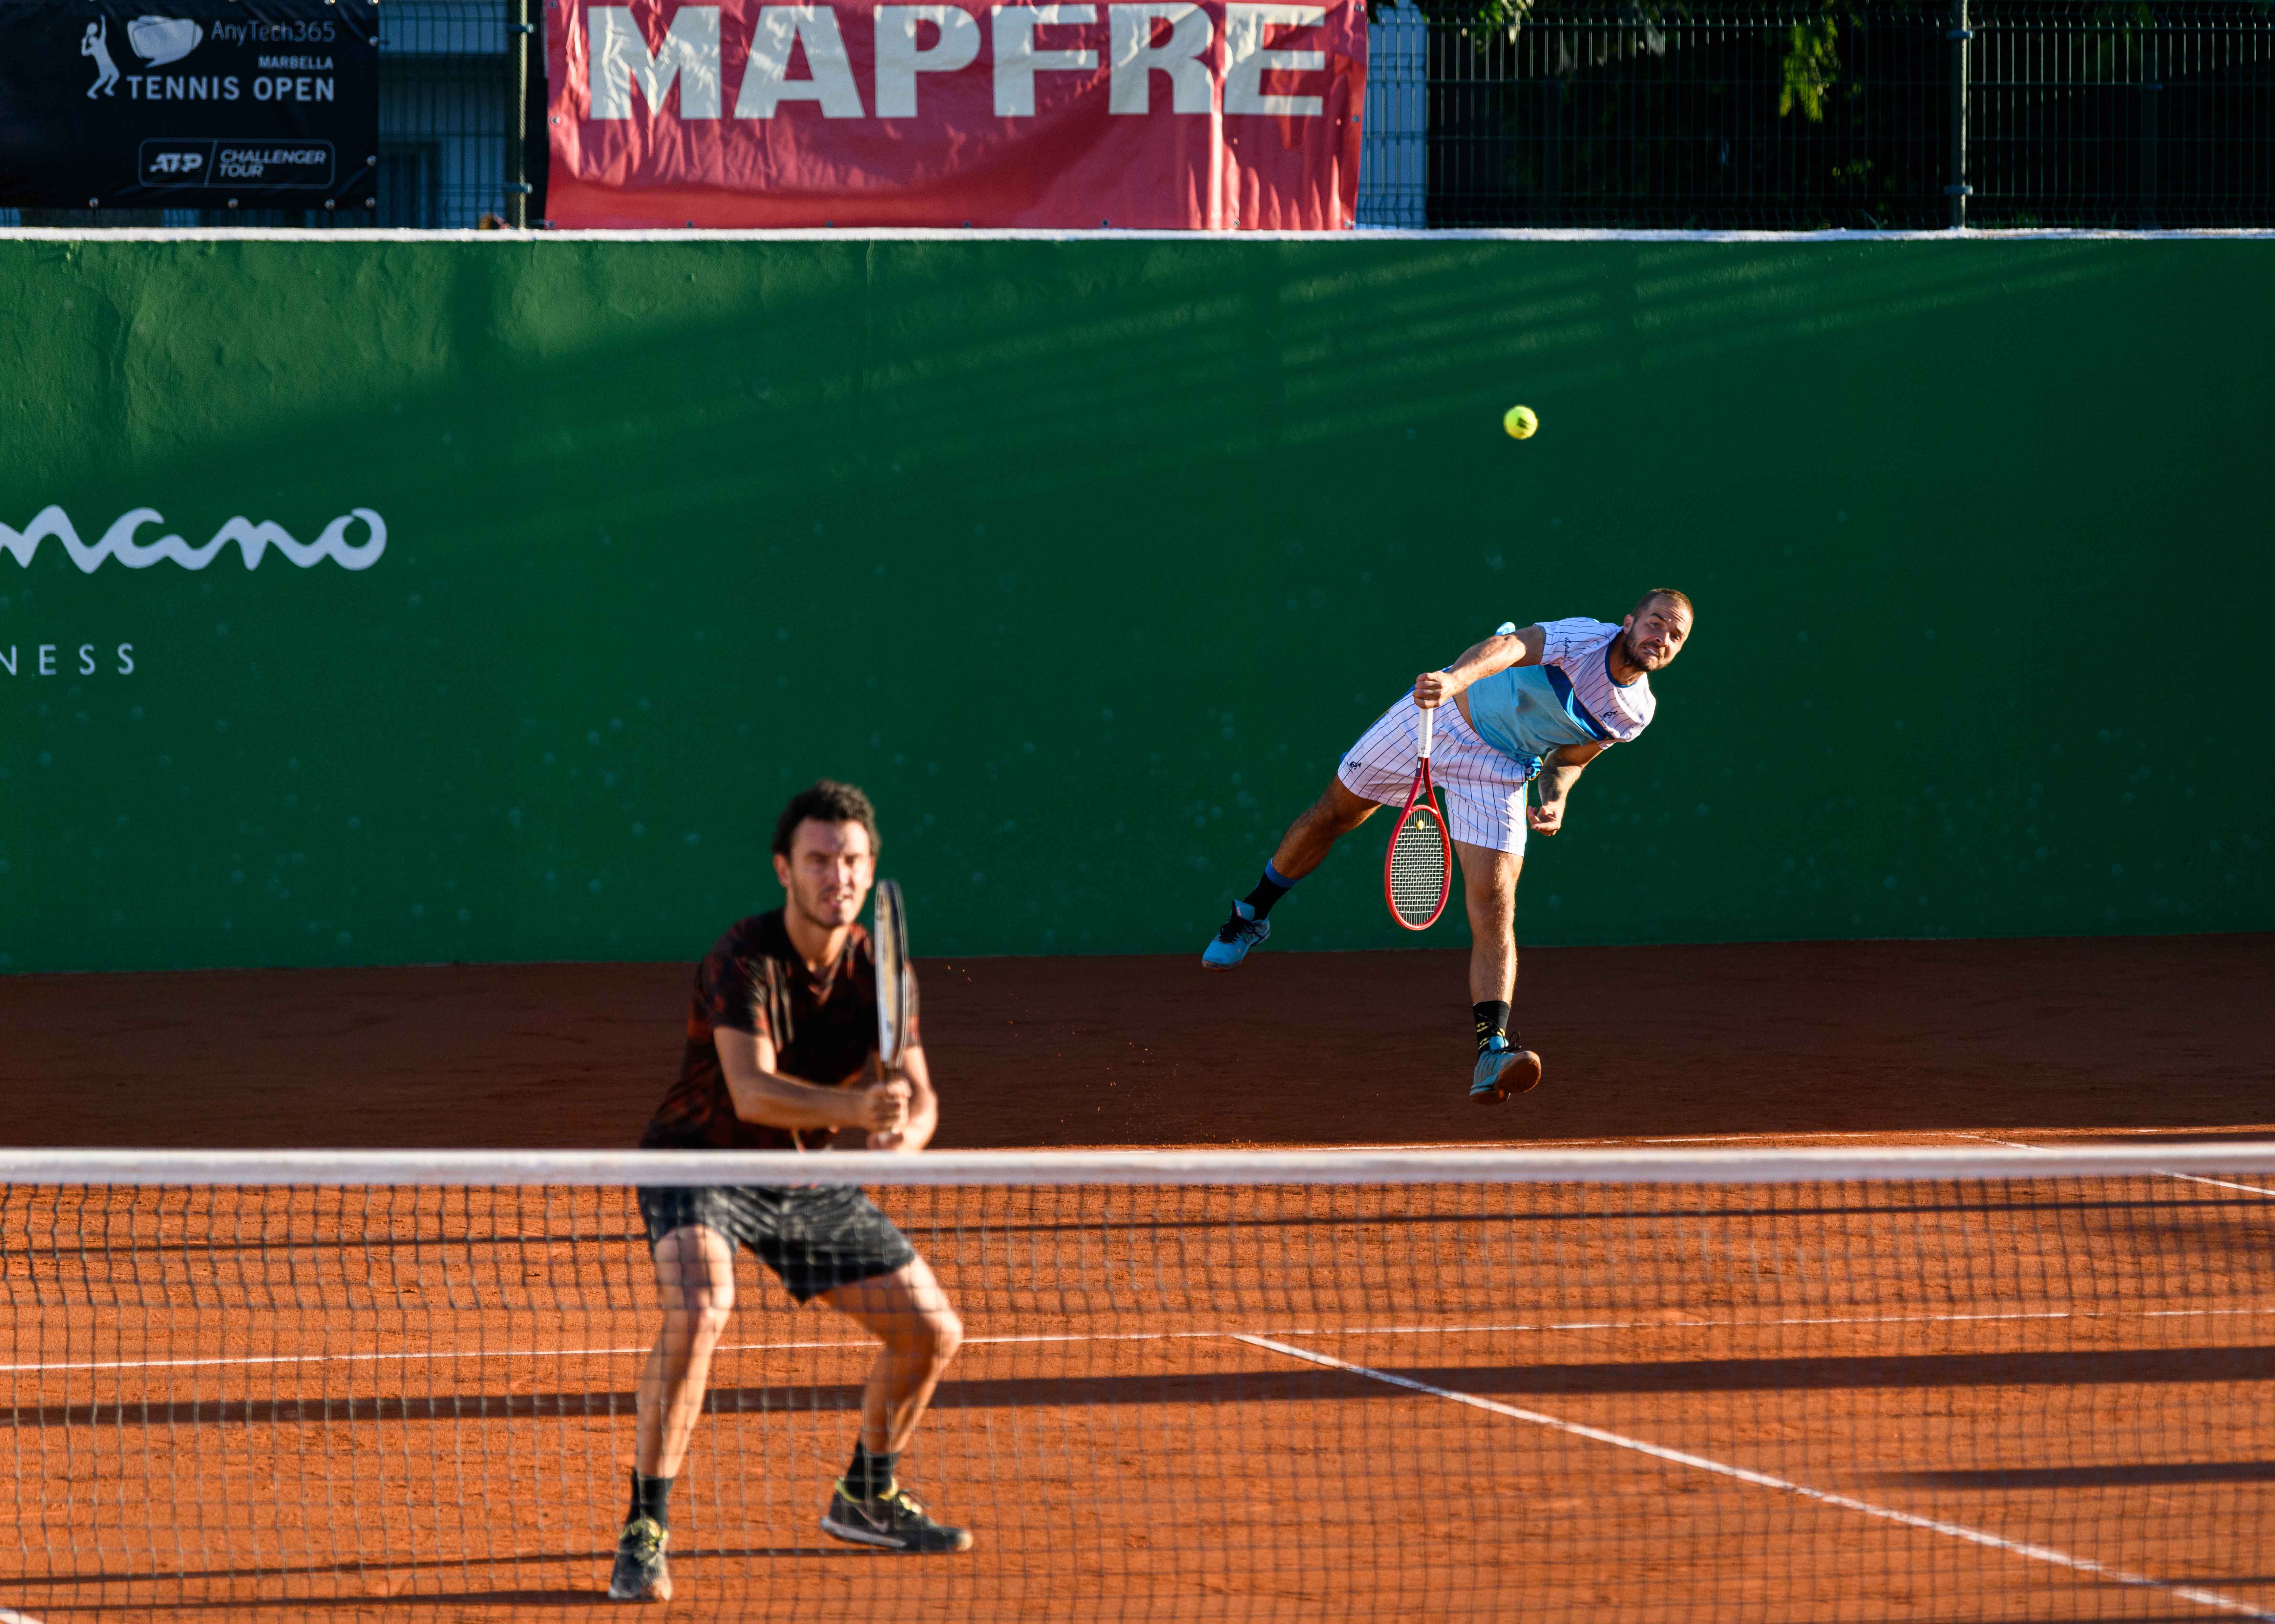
(1208, 116)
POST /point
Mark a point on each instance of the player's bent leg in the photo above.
(1504, 1065)
(907, 1312)
(695, 1276)
(1301, 850)
(1338, 811)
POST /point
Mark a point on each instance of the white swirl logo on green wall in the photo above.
(253, 541)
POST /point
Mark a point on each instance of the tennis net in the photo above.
(1784, 1385)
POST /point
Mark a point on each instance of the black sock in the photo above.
(1270, 889)
(871, 1474)
(651, 1498)
(1492, 1022)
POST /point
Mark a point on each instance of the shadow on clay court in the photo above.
(598, 1560)
(596, 1597)
(564, 1559)
(2089, 1368)
(58, 1237)
(2145, 1474)
(2084, 1035)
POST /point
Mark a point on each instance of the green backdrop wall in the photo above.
(1088, 559)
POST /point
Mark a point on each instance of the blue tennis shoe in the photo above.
(1502, 1071)
(1233, 938)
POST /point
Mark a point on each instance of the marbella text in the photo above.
(1168, 37)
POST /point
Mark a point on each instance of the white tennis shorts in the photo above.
(1481, 790)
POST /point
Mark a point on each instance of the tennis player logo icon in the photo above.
(1419, 872)
(156, 40)
(95, 42)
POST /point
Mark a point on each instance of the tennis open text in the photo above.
(687, 71)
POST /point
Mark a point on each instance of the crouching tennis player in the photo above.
(780, 1046)
(1540, 703)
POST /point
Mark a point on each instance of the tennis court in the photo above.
(1965, 1393)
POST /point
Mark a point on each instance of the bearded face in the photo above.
(1655, 634)
(828, 872)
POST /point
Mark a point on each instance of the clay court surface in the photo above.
(1881, 1039)
(2050, 1400)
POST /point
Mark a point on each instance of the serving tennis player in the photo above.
(782, 1051)
(1537, 704)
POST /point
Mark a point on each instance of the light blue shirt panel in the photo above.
(1519, 713)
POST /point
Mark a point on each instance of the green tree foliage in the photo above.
(1813, 62)
(1812, 50)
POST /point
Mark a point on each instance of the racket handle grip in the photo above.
(1423, 749)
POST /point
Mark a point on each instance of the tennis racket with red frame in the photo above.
(1418, 873)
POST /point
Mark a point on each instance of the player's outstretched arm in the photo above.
(1559, 772)
(1495, 654)
(761, 1094)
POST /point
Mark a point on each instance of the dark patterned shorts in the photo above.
(816, 1238)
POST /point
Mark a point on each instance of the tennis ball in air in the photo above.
(1520, 421)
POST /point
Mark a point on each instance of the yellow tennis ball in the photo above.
(1520, 421)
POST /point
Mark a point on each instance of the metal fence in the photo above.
(1865, 116)
(1857, 114)
(446, 112)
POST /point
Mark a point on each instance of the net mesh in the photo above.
(1270, 1387)
(1419, 872)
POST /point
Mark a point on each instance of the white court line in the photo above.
(1743, 1138)
(1865, 1136)
(2195, 1178)
(1490, 1328)
(1607, 1142)
(1886, 1513)
(2186, 1178)
(1766, 1140)
(10, 1616)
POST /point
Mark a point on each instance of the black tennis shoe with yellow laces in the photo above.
(641, 1573)
(893, 1520)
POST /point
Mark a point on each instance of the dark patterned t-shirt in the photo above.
(823, 1027)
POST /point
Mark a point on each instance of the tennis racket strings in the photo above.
(1417, 870)
(1419, 876)
(894, 1002)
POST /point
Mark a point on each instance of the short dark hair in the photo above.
(1666, 594)
(826, 801)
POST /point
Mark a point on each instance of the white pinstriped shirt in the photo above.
(1569, 698)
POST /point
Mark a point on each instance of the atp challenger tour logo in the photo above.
(253, 541)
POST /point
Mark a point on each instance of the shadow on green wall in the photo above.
(1089, 560)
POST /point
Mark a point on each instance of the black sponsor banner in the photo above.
(189, 103)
